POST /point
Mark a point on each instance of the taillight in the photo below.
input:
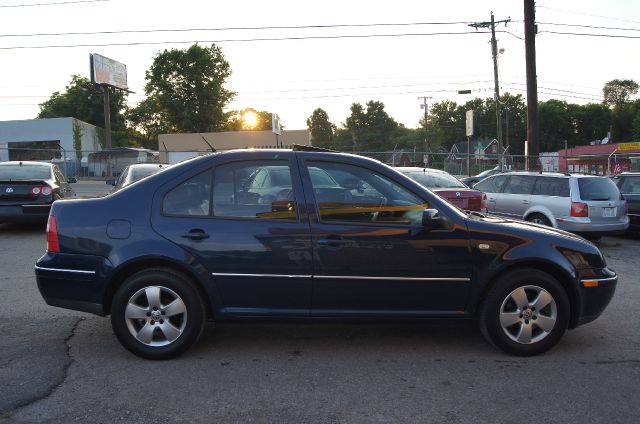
(45, 190)
(579, 209)
(483, 203)
(52, 235)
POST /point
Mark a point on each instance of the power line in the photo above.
(588, 26)
(590, 34)
(573, 12)
(319, 37)
(52, 4)
(164, 30)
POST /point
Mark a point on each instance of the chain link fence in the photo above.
(110, 163)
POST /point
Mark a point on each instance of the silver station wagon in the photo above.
(583, 204)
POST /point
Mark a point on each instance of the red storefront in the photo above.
(599, 159)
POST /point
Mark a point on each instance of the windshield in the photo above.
(25, 172)
(435, 180)
(486, 173)
(598, 189)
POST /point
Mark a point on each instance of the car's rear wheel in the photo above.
(525, 312)
(157, 314)
(539, 219)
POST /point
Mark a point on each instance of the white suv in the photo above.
(583, 204)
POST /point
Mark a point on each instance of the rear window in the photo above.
(598, 189)
(25, 172)
(552, 186)
(435, 180)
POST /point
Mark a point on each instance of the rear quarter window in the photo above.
(520, 184)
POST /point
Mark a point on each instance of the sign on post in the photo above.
(275, 124)
(469, 123)
(108, 71)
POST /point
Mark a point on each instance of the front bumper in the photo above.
(75, 282)
(595, 295)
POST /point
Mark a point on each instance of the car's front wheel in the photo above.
(525, 312)
(157, 314)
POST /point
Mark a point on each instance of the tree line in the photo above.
(185, 92)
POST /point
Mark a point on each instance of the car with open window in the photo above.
(349, 238)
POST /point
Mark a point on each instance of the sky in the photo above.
(321, 68)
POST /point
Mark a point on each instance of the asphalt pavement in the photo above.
(60, 366)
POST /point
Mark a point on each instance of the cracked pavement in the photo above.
(310, 372)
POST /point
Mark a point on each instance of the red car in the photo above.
(448, 187)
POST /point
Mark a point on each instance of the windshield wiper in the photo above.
(476, 213)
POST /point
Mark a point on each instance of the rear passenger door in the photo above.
(256, 246)
(552, 194)
(516, 196)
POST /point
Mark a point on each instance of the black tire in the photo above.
(166, 331)
(538, 218)
(499, 307)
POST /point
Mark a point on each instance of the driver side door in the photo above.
(373, 257)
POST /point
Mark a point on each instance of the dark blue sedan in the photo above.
(222, 237)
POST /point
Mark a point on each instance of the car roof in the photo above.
(540, 174)
(419, 169)
(149, 165)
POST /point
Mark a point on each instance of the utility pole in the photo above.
(494, 53)
(426, 139)
(533, 127)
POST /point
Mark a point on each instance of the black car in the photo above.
(190, 244)
(27, 190)
(629, 185)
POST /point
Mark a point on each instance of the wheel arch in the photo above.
(132, 267)
(555, 271)
(541, 211)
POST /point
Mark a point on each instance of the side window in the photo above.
(254, 189)
(190, 198)
(491, 184)
(630, 185)
(519, 184)
(353, 194)
(551, 186)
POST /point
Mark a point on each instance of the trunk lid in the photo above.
(466, 199)
(11, 190)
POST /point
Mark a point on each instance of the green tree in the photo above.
(322, 130)
(622, 120)
(146, 121)
(636, 127)
(80, 100)
(618, 92)
(356, 125)
(188, 85)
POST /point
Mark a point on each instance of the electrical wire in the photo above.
(52, 4)
(589, 26)
(261, 28)
(590, 34)
(318, 37)
(573, 12)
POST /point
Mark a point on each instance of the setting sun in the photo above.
(249, 119)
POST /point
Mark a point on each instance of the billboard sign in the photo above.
(108, 71)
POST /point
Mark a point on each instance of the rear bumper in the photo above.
(75, 282)
(586, 226)
(594, 300)
(24, 213)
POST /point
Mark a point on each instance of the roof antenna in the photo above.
(209, 144)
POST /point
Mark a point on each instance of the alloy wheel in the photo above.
(528, 314)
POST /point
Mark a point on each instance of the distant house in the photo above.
(480, 150)
(401, 158)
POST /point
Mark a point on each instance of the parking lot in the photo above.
(64, 366)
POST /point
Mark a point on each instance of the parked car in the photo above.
(629, 185)
(448, 187)
(472, 181)
(132, 173)
(27, 190)
(165, 254)
(583, 204)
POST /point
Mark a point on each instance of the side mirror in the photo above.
(431, 219)
(72, 180)
(111, 182)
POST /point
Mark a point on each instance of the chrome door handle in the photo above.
(195, 234)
